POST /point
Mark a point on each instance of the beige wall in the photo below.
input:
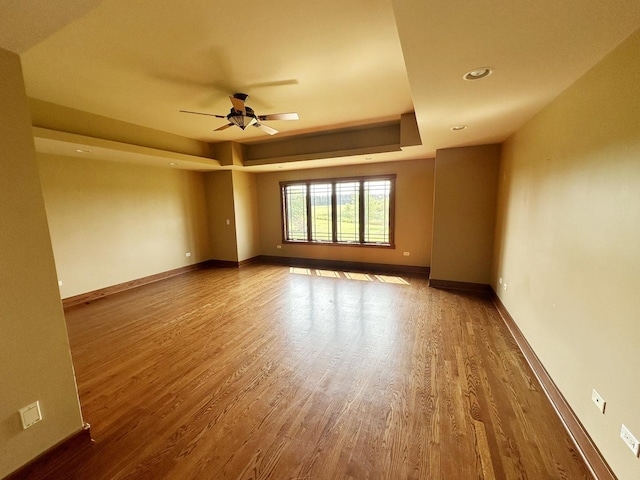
(464, 213)
(221, 216)
(245, 200)
(112, 222)
(414, 205)
(568, 245)
(35, 363)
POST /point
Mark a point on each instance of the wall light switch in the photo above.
(30, 415)
(188, 254)
(406, 254)
(228, 222)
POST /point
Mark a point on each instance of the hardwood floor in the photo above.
(261, 373)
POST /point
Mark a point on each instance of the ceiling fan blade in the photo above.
(207, 114)
(275, 83)
(224, 127)
(238, 104)
(264, 128)
(279, 116)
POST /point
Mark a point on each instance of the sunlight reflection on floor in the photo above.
(362, 277)
(327, 273)
(392, 279)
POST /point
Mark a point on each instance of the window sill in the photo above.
(340, 244)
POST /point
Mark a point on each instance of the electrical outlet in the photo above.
(500, 281)
(188, 254)
(598, 400)
(59, 283)
(630, 440)
(504, 285)
(406, 254)
(31, 414)
(278, 246)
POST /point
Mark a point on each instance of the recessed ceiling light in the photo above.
(458, 128)
(477, 73)
(173, 164)
(79, 150)
(368, 158)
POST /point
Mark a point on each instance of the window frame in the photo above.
(361, 216)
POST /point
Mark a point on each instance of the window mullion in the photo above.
(334, 215)
(361, 212)
(391, 211)
(285, 212)
(309, 219)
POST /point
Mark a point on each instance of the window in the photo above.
(321, 212)
(346, 211)
(296, 212)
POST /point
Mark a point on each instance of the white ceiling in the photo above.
(336, 63)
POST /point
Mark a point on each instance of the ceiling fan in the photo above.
(243, 116)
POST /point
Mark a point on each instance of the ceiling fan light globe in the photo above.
(242, 121)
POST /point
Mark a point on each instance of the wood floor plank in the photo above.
(264, 373)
